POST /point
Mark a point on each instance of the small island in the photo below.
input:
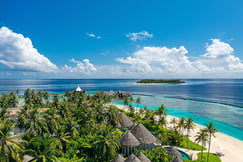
(160, 81)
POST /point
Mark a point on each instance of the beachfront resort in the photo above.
(77, 126)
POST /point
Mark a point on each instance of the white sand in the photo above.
(232, 148)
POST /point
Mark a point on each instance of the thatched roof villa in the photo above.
(143, 134)
(137, 136)
(118, 158)
(142, 157)
(177, 159)
(132, 158)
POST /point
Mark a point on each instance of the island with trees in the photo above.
(160, 81)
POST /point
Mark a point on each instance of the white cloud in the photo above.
(160, 58)
(18, 53)
(218, 61)
(218, 49)
(84, 67)
(139, 36)
(93, 35)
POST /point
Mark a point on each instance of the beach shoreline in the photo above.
(230, 147)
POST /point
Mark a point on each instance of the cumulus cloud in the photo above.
(84, 67)
(93, 35)
(139, 36)
(160, 58)
(218, 49)
(218, 60)
(18, 53)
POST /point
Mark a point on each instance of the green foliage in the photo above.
(156, 155)
(192, 145)
(212, 158)
(176, 81)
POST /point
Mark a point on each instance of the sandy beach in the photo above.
(231, 148)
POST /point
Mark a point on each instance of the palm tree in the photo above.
(36, 123)
(174, 122)
(181, 125)
(46, 97)
(131, 99)
(138, 101)
(55, 100)
(189, 126)
(45, 148)
(162, 111)
(107, 144)
(210, 128)
(202, 136)
(162, 121)
(10, 146)
(112, 115)
(126, 100)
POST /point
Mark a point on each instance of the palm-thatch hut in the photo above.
(142, 157)
(173, 152)
(144, 136)
(118, 158)
(176, 159)
(133, 126)
(109, 93)
(132, 158)
(123, 94)
(124, 121)
(128, 142)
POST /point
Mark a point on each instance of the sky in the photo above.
(121, 39)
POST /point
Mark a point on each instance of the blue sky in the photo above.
(121, 39)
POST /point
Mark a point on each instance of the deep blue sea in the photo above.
(228, 119)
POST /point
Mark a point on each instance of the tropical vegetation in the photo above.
(76, 126)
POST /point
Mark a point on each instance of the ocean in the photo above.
(224, 97)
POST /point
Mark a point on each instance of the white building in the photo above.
(78, 89)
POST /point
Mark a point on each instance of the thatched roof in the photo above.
(123, 93)
(143, 135)
(129, 140)
(27, 158)
(142, 157)
(118, 158)
(176, 159)
(109, 93)
(118, 125)
(132, 158)
(173, 152)
(125, 121)
(133, 126)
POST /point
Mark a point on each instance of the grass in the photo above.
(212, 158)
(192, 145)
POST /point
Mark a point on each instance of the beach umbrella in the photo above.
(143, 135)
(125, 121)
(118, 158)
(173, 152)
(132, 158)
(176, 159)
(142, 157)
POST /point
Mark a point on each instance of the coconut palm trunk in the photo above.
(210, 128)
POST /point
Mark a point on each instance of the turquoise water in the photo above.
(229, 119)
(183, 154)
(201, 113)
